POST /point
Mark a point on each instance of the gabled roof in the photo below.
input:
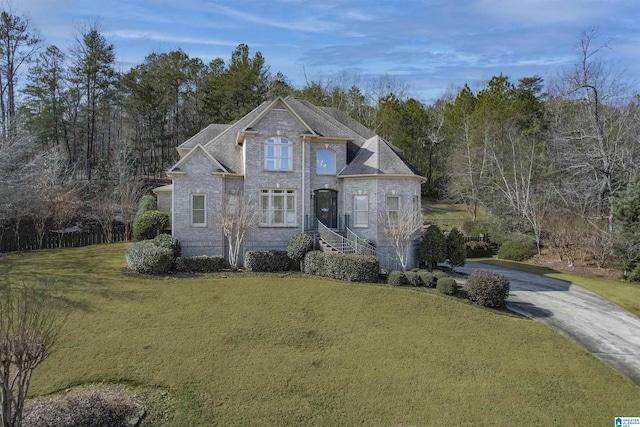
(376, 157)
(204, 136)
(367, 153)
(218, 167)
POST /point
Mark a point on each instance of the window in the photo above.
(277, 154)
(278, 208)
(360, 211)
(198, 210)
(326, 164)
(393, 208)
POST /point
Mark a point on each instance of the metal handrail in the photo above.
(359, 246)
(335, 240)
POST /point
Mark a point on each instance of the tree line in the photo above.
(551, 160)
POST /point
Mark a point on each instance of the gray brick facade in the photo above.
(201, 173)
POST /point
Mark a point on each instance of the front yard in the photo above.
(241, 349)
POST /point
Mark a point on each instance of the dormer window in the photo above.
(326, 162)
(277, 154)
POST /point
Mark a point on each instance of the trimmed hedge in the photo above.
(447, 286)
(427, 278)
(439, 274)
(148, 257)
(169, 242)
(299, 245)
(413, 278)
(150, 224)
(267, 261)
(350, 268)
(397, 278)
(201, 264)
(517, 250)
(487, 288)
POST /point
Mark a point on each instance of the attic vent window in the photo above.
(277, 154)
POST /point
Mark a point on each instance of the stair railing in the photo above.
(335, 240)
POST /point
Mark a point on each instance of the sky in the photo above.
(431, 46)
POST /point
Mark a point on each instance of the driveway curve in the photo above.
(606, 330)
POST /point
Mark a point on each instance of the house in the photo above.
(307, 167)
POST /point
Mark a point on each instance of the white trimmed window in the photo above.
(198, 210)
(277, 154)
(278, 208)
(393, 208)
(326, 162)
(361, 211)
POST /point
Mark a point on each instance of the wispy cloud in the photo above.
(162, 37)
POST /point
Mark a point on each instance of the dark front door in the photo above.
(327, 207)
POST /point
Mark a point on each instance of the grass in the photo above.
(297, 350)
(447, 215)
(624, 294)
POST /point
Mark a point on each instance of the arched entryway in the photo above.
(326, 206)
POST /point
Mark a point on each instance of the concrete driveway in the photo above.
(603, 328)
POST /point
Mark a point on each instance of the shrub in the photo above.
(427, 278)
(170, 242)
(147, 203)
(517, 250)
(147, 257)
(413, 278)
(150, 224)
(439, 274)
(477, 249)
(351, 268)
(433, 247)
(201, 264)
(447, 286)
(487, 288)
(299, 245)
(397, 278)
(456, 251)
(266, 261)
(634, 275)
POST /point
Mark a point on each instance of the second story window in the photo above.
(326, 164)
(277, 154)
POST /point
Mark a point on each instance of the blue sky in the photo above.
(431, 45)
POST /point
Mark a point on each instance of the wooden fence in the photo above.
(27, 242)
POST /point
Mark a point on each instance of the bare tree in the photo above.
(103, 210)
(29, 325)
(593, 142)
(401, 229)
(237, 216)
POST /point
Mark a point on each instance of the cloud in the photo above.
(162, 37)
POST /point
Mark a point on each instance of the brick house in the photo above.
(307, 167)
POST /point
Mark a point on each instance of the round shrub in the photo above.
(147, 257)
(427, 278)
(397, 278)
(413, 278)
(488, 288)
(147, 203)
(299, 245)
(517, 250)
(170, 242)
(150, 224)
(447, 286)
(439, 274)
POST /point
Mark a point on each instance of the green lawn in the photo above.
(296, 350)
(624, 294)
(447, 215)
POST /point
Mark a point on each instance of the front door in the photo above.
(327, 207)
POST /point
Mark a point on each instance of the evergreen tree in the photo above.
(456, 249)
(433, 247)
